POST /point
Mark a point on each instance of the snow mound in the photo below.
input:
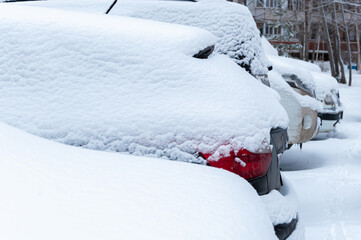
(54, 191)
(128, 85)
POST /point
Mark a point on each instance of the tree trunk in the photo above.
(342, 78)
(336, 56)
(306, 38)
(327, 37)
(348, 46)
(316, 44)
(358, 49)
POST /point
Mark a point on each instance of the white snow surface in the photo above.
(278, 83)
(129, 85)
(232, 23)
(326, 175)
(54, 191)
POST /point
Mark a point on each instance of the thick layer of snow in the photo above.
(122, 84)
(326, 175)
(233, 24)
(53, 191)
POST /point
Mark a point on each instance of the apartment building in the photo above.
(284, 22)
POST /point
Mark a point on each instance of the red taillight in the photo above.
(245, 164)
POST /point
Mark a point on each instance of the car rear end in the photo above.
(327, 93)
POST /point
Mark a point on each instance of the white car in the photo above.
(141, 87)
(296, 88)
(322, 86)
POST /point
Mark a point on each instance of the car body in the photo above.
(297, 98)
(218, 142)
(327, 92)
(322, 86)
(302, 111)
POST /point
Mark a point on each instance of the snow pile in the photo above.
(233, 24)
(123, 84)
(285, 65)
(54, 191)
(278, 83)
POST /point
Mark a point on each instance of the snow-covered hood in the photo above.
(290, 66)
(53, 191)
(233, 24)
(123, 84)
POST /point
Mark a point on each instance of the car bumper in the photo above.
(283, 211)
(329, 120)
(272, 179)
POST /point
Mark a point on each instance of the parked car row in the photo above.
(190, 81)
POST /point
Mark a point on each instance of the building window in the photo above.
(352, 35)
(269, 29)
(294, 5)
(269, 3)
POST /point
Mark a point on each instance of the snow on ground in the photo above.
(54, 191)
(129, 85)
(326, 175)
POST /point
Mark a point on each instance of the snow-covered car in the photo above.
(296, 89)
(146, 88)
(326, 91)
(320, 85)
(54, 191)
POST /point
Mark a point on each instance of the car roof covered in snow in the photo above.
(53, 191)
(128, 85)
(233, 24)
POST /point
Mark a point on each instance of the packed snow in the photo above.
(326, 175)
(54, 191)
(128, 85)
(233, 24)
